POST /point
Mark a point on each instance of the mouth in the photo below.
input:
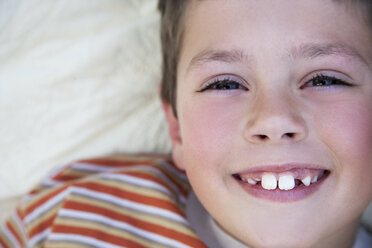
(280, 184)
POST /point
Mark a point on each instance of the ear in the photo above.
(175, 135)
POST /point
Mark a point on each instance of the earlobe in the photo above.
(175, 135)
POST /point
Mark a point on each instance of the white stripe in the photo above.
(173, 169)
(38, 238)
(137, 181)
(46, 206)
(8, 234)
(162, 163)
(155, 211)
(19, 224)
(49, 182)
(159, 173)
(94, 167)
(81, 240)
(121, 225)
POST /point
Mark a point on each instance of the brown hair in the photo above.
(172, 26)
(172, 29)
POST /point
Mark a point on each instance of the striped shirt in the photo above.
(126, 201)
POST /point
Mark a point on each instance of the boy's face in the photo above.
(274, 88)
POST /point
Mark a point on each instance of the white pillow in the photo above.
(77, 79)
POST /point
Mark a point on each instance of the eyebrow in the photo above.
(214, 55)
(306, 51)
(314, 50)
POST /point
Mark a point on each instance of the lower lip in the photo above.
(296, 194)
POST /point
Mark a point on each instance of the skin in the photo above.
(275, 115)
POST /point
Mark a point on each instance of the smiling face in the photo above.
(274, 125)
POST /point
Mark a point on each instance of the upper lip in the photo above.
(279, 168)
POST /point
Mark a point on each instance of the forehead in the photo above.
(217, 24)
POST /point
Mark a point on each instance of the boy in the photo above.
(269, 110)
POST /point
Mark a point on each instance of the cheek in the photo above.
(208, 130)
(347, 130)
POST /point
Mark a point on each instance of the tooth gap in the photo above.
(324, 174)
(237, 176)
(298, 182)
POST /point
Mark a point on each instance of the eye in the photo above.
(223, 85)
(321, 80)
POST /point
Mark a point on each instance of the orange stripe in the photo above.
(20, 214)
(97, 234)
(44, 199)
(163, 231)
(64, 168)
(34, 191)
(2, 243)
(42, 226)
(127, 195)
(14, 232)
(65, 177)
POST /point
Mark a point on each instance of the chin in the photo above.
(281, 233)
(290, 240)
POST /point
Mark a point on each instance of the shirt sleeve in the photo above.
(105, 202)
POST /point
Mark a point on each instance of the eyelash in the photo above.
(221, 84)
(316, 81)
(328, 81)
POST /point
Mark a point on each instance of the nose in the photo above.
(275, 120)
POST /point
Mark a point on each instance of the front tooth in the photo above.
(268, 181)
(286, 182)
(306, 180)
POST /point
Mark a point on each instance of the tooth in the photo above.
(315, 179)
(306, 180)
(268, 181)
(251, 181)
(286, 182)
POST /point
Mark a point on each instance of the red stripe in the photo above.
(64, 168)
(97, 234)
(127, 195)
(160, 230)
(65, 177)
(14, 232)
(2, 243)
(44, 199)
(42, 226)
